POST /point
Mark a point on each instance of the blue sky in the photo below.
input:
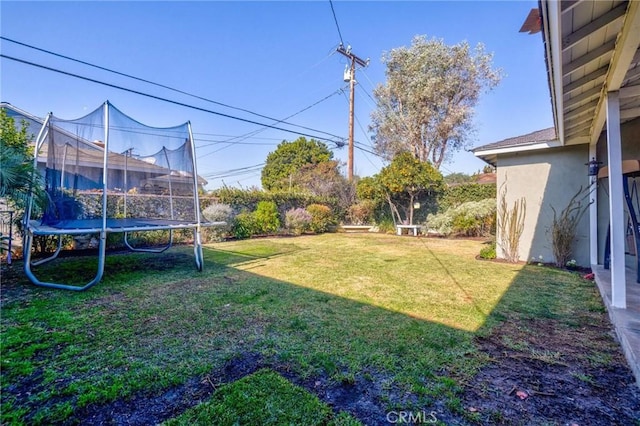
(272, 58)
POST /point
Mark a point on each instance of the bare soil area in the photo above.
(541, 373)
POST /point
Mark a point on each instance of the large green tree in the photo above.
(426, 106)
(289, 158)
(405, 181)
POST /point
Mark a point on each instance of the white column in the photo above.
(593, 211)
(616, 202)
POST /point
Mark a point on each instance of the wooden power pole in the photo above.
(352, 84)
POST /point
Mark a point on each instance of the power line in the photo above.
(160, 85)
(234, 172)
(368, 95)
(242, 137)
(237, 139)
(232, 136)
(137, 92)
(239, 169)
(365, 133)
(211, 142)
(336, 21)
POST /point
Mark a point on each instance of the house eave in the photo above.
(490, 156)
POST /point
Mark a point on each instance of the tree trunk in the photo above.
(394, 212)
(411, 210)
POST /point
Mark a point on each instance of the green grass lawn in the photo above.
(398, 314)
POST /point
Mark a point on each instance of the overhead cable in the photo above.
(160, 98)
(158, 84)
(336, 21)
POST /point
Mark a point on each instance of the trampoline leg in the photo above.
(197, 249)
(149, 250)
(36, 281)
(53, 256)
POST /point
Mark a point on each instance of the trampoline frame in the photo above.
(104, 225)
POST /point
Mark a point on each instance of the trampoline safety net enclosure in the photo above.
(106, 173)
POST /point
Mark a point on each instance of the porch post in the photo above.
(593, 212)
(616, 202)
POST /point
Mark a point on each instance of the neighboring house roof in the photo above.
(91, 153)
(486, 178)
(540, 139)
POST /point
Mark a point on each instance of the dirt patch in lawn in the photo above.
(359, 398)
(144, 409)
(546, 373)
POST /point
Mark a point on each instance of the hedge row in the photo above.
(248, 199)
(459, 194)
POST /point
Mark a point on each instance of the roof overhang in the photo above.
(491, 155)
(591, 48)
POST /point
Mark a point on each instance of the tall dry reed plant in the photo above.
(510, 224)
(565, 225)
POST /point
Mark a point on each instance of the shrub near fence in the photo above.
(321, 218)
(471, 219)
(298, 220)
(266, 217)
(248, 199)
(459, 194)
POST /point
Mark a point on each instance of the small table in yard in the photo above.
(415, 228)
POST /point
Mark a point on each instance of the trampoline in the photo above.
(108, 173)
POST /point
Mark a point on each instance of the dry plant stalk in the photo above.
(564, 227)
(511, 224)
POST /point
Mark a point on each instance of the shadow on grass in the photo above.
(155, 330)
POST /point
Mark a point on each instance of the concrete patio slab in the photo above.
(626, 322)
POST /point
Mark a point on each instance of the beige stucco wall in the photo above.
(630, 135)
(545, 178)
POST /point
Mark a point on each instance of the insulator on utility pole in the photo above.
(350, 75)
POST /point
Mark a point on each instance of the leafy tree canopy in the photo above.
(403, 182)
(288, 158)
(325, 180)
(17, 177)
(457, 178)
(426, 106)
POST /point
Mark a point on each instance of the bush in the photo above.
(298, 220)
(244, 225)
(471, 219)
(362, 213)
(217, 212)
(387, 226)
(267, 219)
(460, 194)
(442, 223)
(565, 225)
(321, 218)
(488, 252)
(248, 199)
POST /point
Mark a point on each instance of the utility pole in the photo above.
(352, 84)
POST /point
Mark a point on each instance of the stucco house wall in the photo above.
(545, 178)
(630, 137)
